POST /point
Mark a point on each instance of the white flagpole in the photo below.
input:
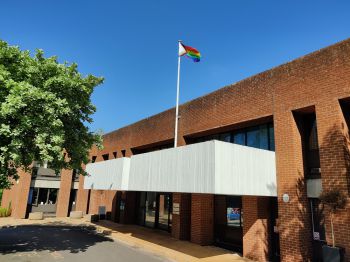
(177, 97)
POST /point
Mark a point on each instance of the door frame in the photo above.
(156, 223)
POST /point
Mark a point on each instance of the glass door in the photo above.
(151, 209)
(164, 211)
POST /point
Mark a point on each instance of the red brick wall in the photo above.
(64, 193)
(101, 198)
(181, 224)
(82, 196)
(18, 195)
(256, 227)
(334, 140)
(202, 219)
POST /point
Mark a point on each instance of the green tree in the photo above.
(44, 109)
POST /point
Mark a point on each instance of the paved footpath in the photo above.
(76, 240)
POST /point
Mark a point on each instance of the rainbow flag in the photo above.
(190, 52)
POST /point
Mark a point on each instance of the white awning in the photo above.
(108, 175)
(212, 167)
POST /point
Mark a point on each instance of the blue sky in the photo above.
(133, 44)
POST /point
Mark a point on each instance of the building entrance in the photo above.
(229, 222)
(154, 210)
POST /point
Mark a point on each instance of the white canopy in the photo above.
(212, 167)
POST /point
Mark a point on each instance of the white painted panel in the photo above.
(42, 183)
(183, 169)
(107, 175)
(314, 187)
(75, 185)
(213, 167)
(242, 170)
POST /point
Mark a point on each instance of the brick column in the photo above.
(64, 193)
(255, 228)
(82, 196)
(294, 216)
(202, 219)
(18, 195)
(181, 223)
(334, 142)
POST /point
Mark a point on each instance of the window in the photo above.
(105, 157)
(253, 137)
(260, 136)
(93, 159)
(123, 152)
(115, 154)
(52, 196)
(43, 194)
(264, 137)
(271, 138)
(234, 211)
(239, 138)
(313, 142)
(35, 196)
(226, 137)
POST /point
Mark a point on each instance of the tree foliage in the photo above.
(334, 199)
(44, 109)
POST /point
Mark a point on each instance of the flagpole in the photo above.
(177, 98)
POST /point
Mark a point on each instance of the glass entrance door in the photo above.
(164, 214)
(154, 210)
(151, 209)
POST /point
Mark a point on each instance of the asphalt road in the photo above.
(65, 243)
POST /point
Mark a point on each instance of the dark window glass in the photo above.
(264, 138)
(313, 142)
(35, 196)
(93, 159)
(53, 196)
(105, 157)
(253, 137)
(271, 138)
(43, 194)
(123, 152)
(239, 138)
(234, 211)
(214, 137)
(226, 137)
(115, 154)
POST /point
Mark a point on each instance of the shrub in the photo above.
(6, 211)
(335, 200)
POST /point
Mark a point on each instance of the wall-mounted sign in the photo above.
(316, 235)
(176, 208)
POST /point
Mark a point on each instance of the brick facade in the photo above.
(64, 194)
(320, 80)
(202, 219)
(181, 224)
(256, 228)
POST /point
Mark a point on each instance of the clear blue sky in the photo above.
(133, 44)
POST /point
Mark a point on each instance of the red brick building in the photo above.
(296, 115)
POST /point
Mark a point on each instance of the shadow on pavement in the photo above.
(165, 239)
(56, 236)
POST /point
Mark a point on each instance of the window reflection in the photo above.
(239, 139)
(261, 136)
(234, 211)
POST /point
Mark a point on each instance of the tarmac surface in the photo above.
(27, 243)
(67, 239)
